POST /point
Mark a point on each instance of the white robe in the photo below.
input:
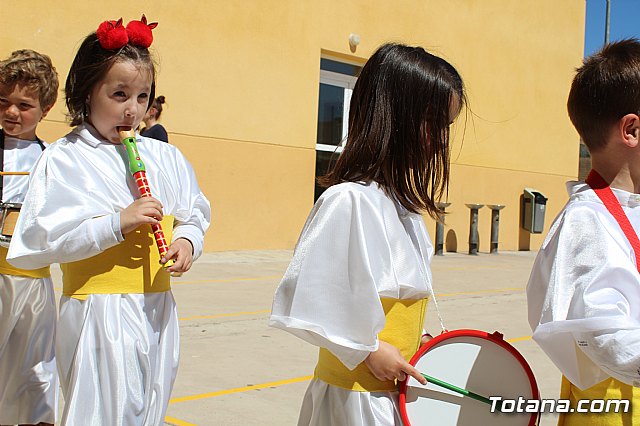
(584, 291)
(19, 156)
(28, 376)
(72, 212)
(357, 246)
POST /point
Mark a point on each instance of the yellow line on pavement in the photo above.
(265, 311)
(238, 390)
(439, 268)
(274, 384)
(177, 422)
(495, 290)
(519, 339)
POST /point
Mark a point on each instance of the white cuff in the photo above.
(106, 231)
(115, 226)
(191, 233)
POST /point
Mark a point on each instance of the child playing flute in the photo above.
(118, 345)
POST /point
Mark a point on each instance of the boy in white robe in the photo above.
(584, 290)
(28, 377)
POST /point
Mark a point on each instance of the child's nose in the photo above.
(13, 110)
(130, 110)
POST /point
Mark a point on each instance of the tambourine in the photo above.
(466, 370)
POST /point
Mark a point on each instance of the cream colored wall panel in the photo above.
(260, 194)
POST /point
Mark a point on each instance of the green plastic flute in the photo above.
(139, 173)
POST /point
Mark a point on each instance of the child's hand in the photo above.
(181, 251)
(141, 211)
(387, 363)
(425, 338)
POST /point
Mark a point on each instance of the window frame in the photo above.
(346, 82)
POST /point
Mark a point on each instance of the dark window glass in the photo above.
(339, 67)
(330, 113)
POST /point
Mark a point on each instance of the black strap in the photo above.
(2, 159)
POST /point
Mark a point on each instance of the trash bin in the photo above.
(534, 206)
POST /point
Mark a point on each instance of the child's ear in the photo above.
(45, 112)
(629, 126)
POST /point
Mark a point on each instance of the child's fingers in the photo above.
(175, 269)
(181, 255)
(149, 201)
(149, 217)
(425, 338)
(413, 372)
(151, 210)
(170, 254)
(182, 264)
(149, 207)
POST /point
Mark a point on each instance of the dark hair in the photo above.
(157, 104)
(91, 64)
(399, 118)
(35, 71)
(606, 88)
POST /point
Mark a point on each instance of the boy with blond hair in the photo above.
(28, 377)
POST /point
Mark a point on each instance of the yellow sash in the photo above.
(8, 269)
(403, 329)
(133, 266)
(607, 389)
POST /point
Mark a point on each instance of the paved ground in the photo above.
(235, 370)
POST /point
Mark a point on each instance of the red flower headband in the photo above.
(113, 35)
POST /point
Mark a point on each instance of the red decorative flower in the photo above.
(112, 34)
(140, 32)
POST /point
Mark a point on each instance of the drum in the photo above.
(473, 368)
(9, 213)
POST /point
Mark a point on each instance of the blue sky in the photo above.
(624, 22)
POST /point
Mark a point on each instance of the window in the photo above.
(336, 85)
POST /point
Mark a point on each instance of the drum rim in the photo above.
(495, 337)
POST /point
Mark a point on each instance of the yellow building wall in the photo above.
(241, 80)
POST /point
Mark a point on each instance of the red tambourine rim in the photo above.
(468, 333)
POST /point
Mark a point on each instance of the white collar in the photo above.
(19, 141)
(581, 191)
(90, 135)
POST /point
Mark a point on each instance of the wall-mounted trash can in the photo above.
(534, 207)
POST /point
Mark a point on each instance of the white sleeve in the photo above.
(584, 292)
(328, 295)
(616, 351)
(69, 213)
(193, 214)
(53, 227)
